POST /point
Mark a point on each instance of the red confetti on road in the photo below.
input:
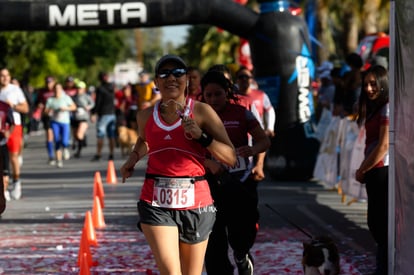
(53, 249)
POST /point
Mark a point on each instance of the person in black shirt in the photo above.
(104, 115)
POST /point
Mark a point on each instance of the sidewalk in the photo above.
(40, 234)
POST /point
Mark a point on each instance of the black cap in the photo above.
(170, 58)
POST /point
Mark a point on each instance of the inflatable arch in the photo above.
(279, 43)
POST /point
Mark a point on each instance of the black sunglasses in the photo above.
(244, 76)
(177, 72)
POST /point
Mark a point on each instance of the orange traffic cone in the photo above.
(97, 215)
(84, 250)
(90, 230)
(98, 188)
(111, 173)
(84, 267)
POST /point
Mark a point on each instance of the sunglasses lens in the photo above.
(164, 74)
(178, 72)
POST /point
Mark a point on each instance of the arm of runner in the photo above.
(221, 147)
(140, 147)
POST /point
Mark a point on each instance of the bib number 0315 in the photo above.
(173, 193)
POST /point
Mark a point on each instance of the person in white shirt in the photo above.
(14, 96)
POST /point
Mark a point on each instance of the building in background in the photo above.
(126, 72)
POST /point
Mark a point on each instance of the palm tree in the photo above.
(341, 24)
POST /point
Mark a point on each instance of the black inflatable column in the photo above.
(284, 69)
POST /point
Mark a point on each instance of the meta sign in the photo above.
(84, 15)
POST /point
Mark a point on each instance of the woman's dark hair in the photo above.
(368, 107)
(221, 68)
(218, 78)
(241, 69)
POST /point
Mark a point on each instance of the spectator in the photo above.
(346, 99)
(374, 116)
(326, 90)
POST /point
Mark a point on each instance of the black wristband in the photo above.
(205, 139)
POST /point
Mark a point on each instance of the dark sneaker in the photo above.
(96, 158)
(84, 142)
(245, 266)
(3, 200)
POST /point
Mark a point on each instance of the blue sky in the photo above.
(175, 34)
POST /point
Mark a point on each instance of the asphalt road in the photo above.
(50, 215)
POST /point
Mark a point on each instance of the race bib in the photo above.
(173, 192)
(239, 166)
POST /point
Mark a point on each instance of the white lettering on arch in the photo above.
(89, 14)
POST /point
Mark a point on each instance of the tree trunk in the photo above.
(370, 16)
(350, 32)
(324, 33)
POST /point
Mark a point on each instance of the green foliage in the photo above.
(208, 45)
(152, 47)
(191, 49)
(32, 56)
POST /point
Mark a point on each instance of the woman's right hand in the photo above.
(127, 169)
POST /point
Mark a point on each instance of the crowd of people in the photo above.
(204, 137)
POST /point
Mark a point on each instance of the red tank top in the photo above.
(172, 154)
(6, 119)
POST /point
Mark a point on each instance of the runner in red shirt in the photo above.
(14, 96)
(234, 188)
(247, 87)
(6, 126)
(176, 208)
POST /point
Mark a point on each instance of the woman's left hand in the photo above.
(191, 127)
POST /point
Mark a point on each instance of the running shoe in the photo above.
(96, 158)
(245, 266)
(66, 154)
(7, 195)
(16, 190)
